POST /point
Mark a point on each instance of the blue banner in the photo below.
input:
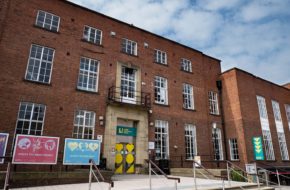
(3, 145)
(80, 151)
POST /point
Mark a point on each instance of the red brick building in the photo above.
(71, 72)
(254, 107)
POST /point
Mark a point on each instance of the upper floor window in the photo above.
(190, 142)
(234, 151)
(39, 64)
(262, 107)
(30, 119)
(160, 57)
(129, 47)
(276, 110)
(287, 108)
(88, 74)
(186, 65)
(161, 139)
(47, 20)
(92, 35)
(188, 101)
(84, 124)
(160, 91)
(213, 103)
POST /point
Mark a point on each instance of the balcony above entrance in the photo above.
(125, 95)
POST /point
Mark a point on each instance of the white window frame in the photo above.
(87, 74)
(159, 135)
(128, 46)
(80, 127)
(262, 107)
(280, 130)
(190, 141)
(97, 37)
(160, 90)
(234, 150)
(43, 25)
(188, 97)
(213, 103)
(30, 118)
(160, 57)
(287, 110)
(36, 62)
(186, 65)
(218, 140)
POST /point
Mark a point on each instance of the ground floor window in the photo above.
(30, 119)
(84, 124)
(234, 149)
(161, 139)
(217, 144)
(190, 142)
(268, 145)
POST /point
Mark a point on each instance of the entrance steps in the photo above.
(200, 173)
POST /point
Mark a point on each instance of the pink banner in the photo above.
(30, 149)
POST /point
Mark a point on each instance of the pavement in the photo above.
(141, 182)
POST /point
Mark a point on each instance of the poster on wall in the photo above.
(80, 151)
(29, 149)
(3, 145)
(258, 148)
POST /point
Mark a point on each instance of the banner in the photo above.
(80, 151)
(3, 145)
(30, 149)
(258, 148)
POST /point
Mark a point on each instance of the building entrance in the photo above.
(124, 158)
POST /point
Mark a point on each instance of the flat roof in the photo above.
(131, 25)
(257, 77)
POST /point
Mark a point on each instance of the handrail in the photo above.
(7, 176)
(93, 164)
(277, 169)
(166, 176)
(217, 176)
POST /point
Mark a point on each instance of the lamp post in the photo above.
(216, 144)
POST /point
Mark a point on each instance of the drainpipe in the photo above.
(219, 86)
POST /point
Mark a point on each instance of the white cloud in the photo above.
(252, 35)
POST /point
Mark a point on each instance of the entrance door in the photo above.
(128, 85)
(124, 158)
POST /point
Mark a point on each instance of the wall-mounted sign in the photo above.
(251, 168)
(30, 149)
(3, 145)
(197, 159)
(126, 131)
(100, 138)
(151, 145)
(258, 148)
(80, 151)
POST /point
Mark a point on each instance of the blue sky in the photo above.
(253, 35)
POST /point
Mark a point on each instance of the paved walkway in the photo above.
(141, 182)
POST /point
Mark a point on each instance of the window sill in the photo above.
(164, 105)
(129, 54)
(45, 29)
(92, 43)
(188, 109)
(158, 63)
(215, 114)
(87, 91)
(37, 82)
(235, 160)
(189, 72)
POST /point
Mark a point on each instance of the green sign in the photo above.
(126, 131)
(258, 148)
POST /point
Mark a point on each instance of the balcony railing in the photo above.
(123, 95)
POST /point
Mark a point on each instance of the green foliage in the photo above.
(236, 175)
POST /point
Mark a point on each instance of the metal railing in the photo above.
(92, 173)
(151, 163)
(208, 172)
(7, 172)
(117, 94)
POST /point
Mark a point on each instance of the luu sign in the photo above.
(126, 131)
(258, 148)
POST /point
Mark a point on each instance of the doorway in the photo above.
(124, 158)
